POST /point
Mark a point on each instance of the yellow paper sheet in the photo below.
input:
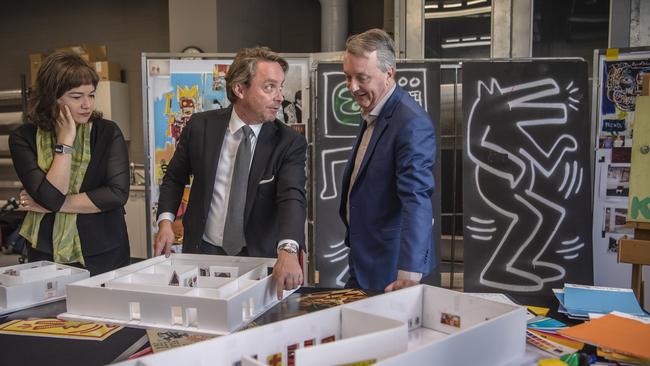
(639, 198)
(59, 329)
(538, 310)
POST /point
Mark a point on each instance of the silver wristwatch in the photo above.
(291, 248)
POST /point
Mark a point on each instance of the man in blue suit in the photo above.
(388, 181)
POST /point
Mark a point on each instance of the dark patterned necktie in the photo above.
(233, 233)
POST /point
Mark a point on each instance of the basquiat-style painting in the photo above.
(622, 83)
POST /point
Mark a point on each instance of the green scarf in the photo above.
(66, 246)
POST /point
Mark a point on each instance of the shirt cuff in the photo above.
(289, 241)
(411, 276)
(166, 216)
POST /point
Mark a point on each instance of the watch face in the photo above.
(62, 149)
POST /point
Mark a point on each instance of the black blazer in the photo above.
(275, 203)
(106, 183)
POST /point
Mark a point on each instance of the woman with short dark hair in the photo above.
(74, 169)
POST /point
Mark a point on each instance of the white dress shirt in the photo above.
(216, 219)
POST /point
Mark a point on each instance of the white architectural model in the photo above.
(31, 284)
(421, 325)
(190, 292)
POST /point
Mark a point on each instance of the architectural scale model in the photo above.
(421, 325)
(31, 284)
(189, 292)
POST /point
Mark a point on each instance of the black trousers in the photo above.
(95, 264)
(207, 248)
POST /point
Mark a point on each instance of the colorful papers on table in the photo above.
(162, 340)
(559, 339)
(577, 301)
(614, 334)
(547, 345)
(59, 329)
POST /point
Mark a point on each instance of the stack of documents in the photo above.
(578, 301)
(618, 336)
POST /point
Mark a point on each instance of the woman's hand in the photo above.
(65, 127)
(28, 204)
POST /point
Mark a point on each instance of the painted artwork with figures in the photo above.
(336, 127)
(526, 190)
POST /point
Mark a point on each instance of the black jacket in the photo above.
(275, 209)
(106, 183)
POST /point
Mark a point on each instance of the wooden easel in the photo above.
(637, 251)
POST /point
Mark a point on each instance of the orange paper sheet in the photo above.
(615, 333)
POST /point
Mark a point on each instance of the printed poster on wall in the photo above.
(621, 84)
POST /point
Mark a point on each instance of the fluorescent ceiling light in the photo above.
(465, 44)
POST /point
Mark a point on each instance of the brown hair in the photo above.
(59, 73)
(243, 67)
(370, 41)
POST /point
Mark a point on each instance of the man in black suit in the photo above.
(248, 190)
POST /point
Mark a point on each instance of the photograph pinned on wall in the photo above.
(616, 181)
(614, 220)
(621, 155)
(291, 112)
(611, 242)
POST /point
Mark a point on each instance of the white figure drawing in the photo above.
(528, 161)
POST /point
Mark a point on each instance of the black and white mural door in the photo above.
(526, 169)
(336, 127)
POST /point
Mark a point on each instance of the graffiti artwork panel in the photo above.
(337, 125)
(526, 191)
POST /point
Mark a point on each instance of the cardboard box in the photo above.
(108, 70)
(35, 61)
(89, 52)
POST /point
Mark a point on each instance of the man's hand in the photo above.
(164, 238)
(400, 284)
(287, 273)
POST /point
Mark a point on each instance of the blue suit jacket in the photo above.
(391, 214)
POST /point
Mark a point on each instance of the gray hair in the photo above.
(370, 41)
